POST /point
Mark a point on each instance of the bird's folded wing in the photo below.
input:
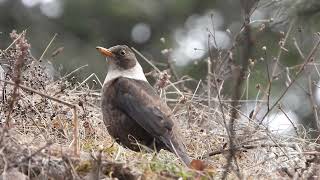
(139, 101)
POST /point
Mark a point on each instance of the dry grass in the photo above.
(38, 135)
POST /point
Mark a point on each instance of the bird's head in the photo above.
(122, 63)
(120, 56)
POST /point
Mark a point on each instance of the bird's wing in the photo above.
(139, 101)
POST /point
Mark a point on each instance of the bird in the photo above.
(133, 113)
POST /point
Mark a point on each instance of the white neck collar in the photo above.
(135, 72)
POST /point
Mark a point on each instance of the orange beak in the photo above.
(104, 51)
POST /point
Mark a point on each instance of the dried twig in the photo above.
(245, 55)
(23, 50)
(274, 68)
(44, 52)
(313, 103)
(13, 42)
(293, 125)
(268, 76)
(246, 147)
(298, 48)
(306, 61)
(157, 69)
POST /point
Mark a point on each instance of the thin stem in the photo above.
(307, 60)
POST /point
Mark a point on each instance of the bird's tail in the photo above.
(176, 146)
(181, 152)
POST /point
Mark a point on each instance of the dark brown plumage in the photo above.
(132, 111)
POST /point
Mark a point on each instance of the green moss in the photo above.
(158, 166)
(84, 167)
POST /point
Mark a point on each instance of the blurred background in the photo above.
(152, 26)
(82, 25)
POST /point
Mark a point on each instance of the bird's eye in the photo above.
(122, 52)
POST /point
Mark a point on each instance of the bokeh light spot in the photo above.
(51, 8)
(30, 3)
(140, 33)
(278, 123)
